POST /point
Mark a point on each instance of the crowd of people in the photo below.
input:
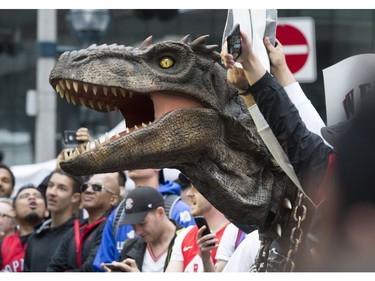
(92, 223)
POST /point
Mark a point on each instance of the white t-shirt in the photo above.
(152, 263)
(244, 256)
(227, 244)
(185, 249)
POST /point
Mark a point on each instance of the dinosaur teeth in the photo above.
(85, 87)
(97, 143)
(68, 85)
(100, 105)
(88, 146)
(113, 90)
(73, 100)
(130, 94)
(58, 88)
(75, 86)
(108, 108)
(117, 135)
(81, 101)
(135, 127)
(95, 89)
(66, 155)
(123, 92)
(127, 130)
(144, 125)
(82, 149)
(61, 93)
(76, 153)
(91, 104)
(62, 85)
(67, 96)
(105, 91)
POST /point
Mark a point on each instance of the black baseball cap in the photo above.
(139, 202)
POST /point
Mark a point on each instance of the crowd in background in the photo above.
(93, 223)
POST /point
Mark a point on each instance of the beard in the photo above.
(33, 218)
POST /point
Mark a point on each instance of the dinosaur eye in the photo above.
(166, 62)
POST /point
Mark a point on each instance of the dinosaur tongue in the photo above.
(164, 103)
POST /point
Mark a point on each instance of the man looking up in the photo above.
(78, 247)
(63, 194)
(30, 207)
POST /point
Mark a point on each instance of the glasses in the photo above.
(96, 187)
(4, 215)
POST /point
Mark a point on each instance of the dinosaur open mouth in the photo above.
(138, 109)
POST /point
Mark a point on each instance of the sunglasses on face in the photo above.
(95, 187)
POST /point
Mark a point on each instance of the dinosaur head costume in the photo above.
(180, 113)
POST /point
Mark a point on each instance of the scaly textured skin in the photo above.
(215, 144)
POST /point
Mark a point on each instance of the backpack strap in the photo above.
(169, 201)
(120, 212)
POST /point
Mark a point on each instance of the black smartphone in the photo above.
(201, 221)
(234, 42)
(112, 267)
(70, 137)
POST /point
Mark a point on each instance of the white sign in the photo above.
(297, 35)
(346, 84)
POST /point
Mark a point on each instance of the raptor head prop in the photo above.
(181, 113)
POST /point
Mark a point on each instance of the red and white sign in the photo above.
(297, 35)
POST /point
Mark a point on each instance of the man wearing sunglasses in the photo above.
(79, 246)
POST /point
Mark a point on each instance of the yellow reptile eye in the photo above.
(166, 62)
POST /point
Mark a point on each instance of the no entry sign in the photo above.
(297, 35)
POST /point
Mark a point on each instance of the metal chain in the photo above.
(263, 255)
(299, 215)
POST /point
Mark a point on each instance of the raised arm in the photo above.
(306, 151)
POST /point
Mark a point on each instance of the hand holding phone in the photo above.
(234, 42)
(201, 221)
(112, 267)
(70, 138)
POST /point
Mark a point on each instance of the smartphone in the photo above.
(112, 267)
(234, 42)
(70, 137)
(201, 221)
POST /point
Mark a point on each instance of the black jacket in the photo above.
(65, 257)
(306, 151)
(42, 245)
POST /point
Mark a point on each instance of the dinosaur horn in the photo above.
(215, 56)
(199, 41)
(146, 43)
(211, 47)
(185, 39)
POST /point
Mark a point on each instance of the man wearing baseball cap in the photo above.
(151, 249)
